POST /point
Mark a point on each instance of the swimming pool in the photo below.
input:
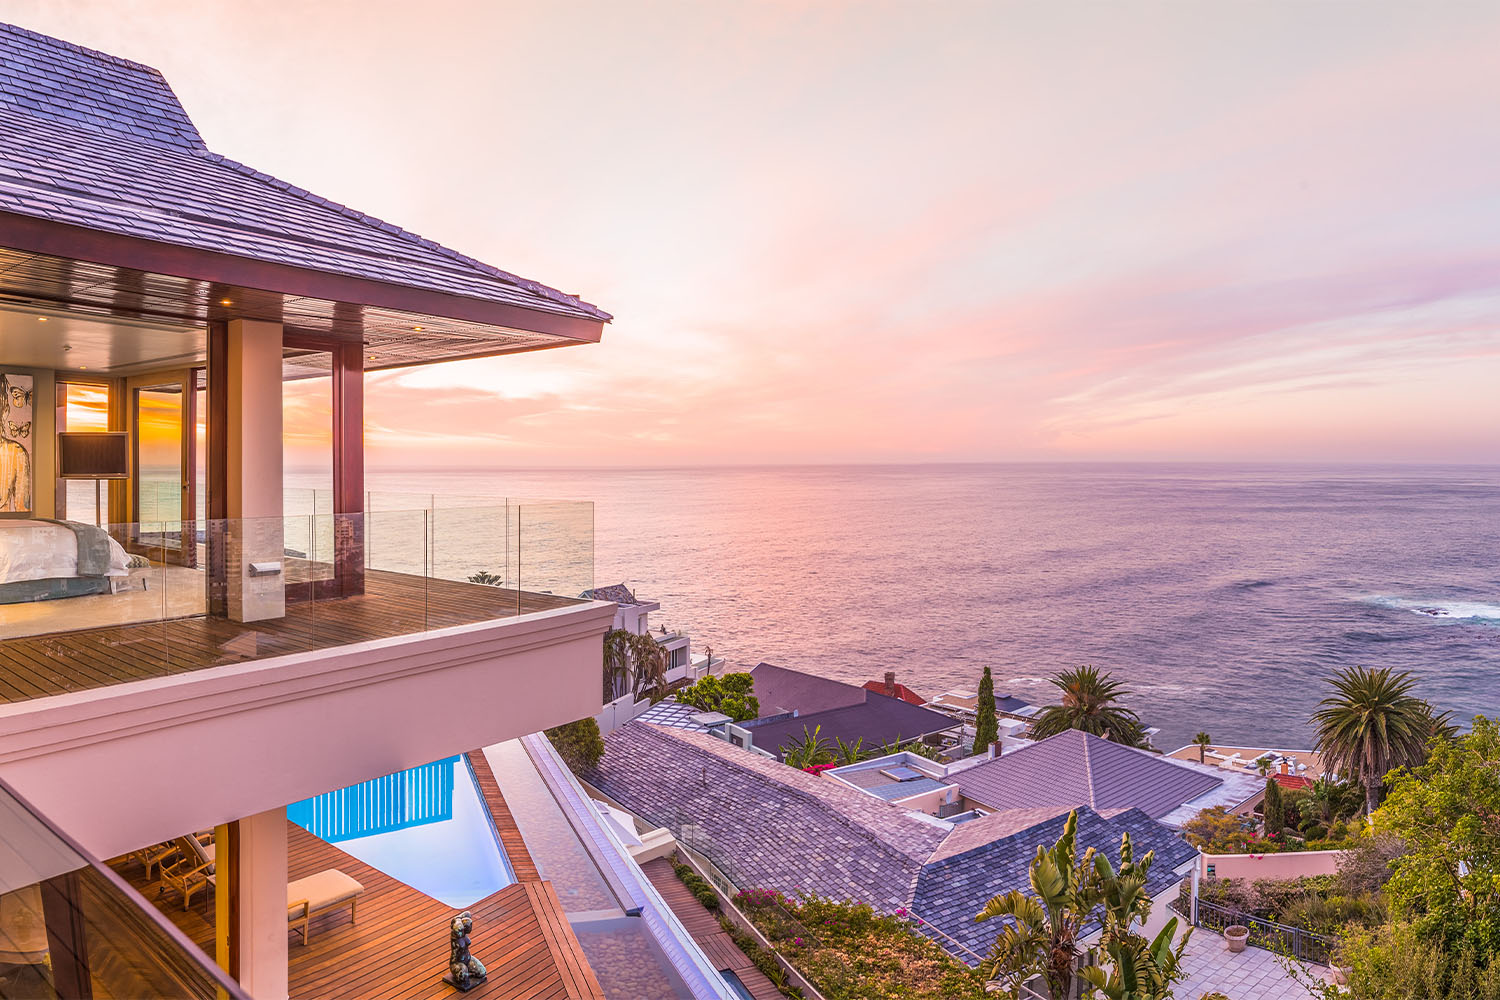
(426, 826)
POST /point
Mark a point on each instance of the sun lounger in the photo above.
(322, 891)
(192, 871)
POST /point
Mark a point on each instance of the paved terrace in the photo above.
(399, 947)
(393, 604)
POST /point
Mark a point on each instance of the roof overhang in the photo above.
(110, 275)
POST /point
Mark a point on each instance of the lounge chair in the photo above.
(155, 857)
(194, 870)
(315, 893)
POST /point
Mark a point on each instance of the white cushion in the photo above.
(326, 888)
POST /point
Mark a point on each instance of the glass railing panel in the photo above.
(185, 595)
(554, 550)
(70, 927)
(473, 577)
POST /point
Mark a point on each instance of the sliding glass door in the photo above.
(163, 484)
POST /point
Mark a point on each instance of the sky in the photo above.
(909, 231)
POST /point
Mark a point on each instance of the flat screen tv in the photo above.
(93, 455)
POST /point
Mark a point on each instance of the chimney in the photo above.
(995, 750)
(1284, 769)
(890, 683)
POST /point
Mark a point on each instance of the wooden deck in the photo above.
(393, 604)
(704, 927)
(398, 949)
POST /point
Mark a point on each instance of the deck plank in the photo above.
(394, 604)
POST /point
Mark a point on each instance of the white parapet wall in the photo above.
(1283, 866)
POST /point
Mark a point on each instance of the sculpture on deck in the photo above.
(464, 970)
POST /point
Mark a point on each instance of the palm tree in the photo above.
(1203, 740)
(1372, 724)
(1263, 767)
(1041, 935)
(634, 663)
(1089, 704)
(849, 753)
(812, 751)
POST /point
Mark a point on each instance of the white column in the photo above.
(263, 933)
(253, 503)
(1193, 899)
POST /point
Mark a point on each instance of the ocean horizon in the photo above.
(1223, 595)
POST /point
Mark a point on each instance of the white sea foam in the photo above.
(1442, 609)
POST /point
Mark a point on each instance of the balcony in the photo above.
(192, 595)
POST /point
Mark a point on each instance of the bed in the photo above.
(41, 560)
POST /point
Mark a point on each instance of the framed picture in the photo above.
(15, 442)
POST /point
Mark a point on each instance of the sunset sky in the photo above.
(901, 231)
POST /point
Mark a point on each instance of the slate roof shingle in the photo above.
(779, 827)
(876, 721)
(95, 141)
(776, 827)
(1078, 769)
(951, 890)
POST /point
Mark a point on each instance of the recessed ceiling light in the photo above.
(370, 358)
(83, 368)
(41, 319)
(226, 302)
(418, 329)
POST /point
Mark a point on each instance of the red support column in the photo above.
(217, 468)
(349, 468)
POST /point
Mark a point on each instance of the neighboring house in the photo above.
(633, 615)
(1075, 768)
(874, 722)
(200, 666)
(963, 703)
(891, 689)
(765, 825)
(792, 702)
(781, 691)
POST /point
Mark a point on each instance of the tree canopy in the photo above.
(1090, 704)
(1447, 813)
(729, 694)
(1371, 724)
(986, 726)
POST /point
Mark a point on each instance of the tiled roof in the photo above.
(616, 592)
(1077, 769)
(779, 827)
(102, 143)
(1292, 781)
(951, 890)
(776, 827)
(876, 721)
(782, 690)
(903, 692)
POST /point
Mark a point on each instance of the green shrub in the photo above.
(578, 744)
(731, 694)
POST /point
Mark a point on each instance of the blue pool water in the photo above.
(426, 826)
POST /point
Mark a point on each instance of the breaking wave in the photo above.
(1474, 612)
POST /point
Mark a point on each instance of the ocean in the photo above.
(1222, 596)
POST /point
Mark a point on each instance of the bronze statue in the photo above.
(464, 970)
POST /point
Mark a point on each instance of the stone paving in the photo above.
(1253, 974)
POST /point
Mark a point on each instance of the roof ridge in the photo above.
(108, 57)
(488, 270)
(1088, 769)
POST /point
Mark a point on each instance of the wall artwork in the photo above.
(15, 442)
